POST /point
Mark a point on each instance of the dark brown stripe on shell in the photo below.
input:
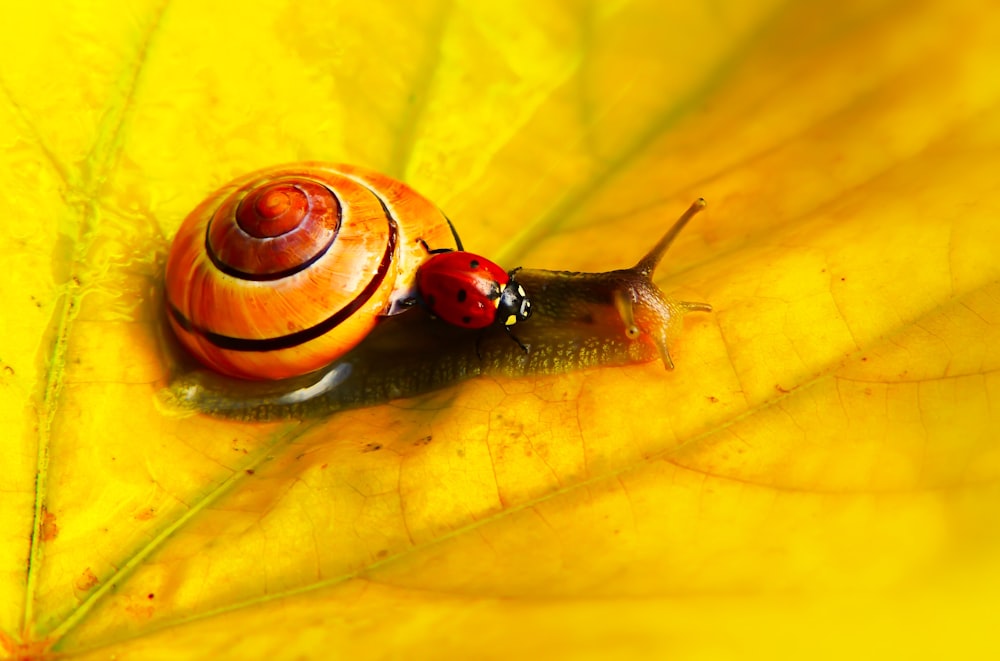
(305, 335)
(278, 275)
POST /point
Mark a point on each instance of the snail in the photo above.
(304, 290)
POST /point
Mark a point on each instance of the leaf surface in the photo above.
(817, 477)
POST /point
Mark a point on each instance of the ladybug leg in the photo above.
(514, 337)
(436, 251)
(479, 341)
(454, 233)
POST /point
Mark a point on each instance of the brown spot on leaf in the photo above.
(140, 610)
(49, 529)
(85, 581)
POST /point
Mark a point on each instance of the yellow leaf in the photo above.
(818, 477)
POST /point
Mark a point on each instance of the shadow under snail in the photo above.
(315, 287)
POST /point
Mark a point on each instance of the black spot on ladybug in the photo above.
(462, 295)
(474, 264)
(467, 320)
(430, 301)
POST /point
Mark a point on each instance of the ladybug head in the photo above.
(513, 305)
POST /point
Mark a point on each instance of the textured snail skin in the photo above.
(579, 320)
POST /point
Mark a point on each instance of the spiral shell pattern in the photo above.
(284, 270)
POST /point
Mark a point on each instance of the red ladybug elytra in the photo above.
(470, 291)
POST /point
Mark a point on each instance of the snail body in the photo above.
(578, 320)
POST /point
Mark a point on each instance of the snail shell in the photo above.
(281, 271)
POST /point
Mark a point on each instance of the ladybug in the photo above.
(468, 290)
